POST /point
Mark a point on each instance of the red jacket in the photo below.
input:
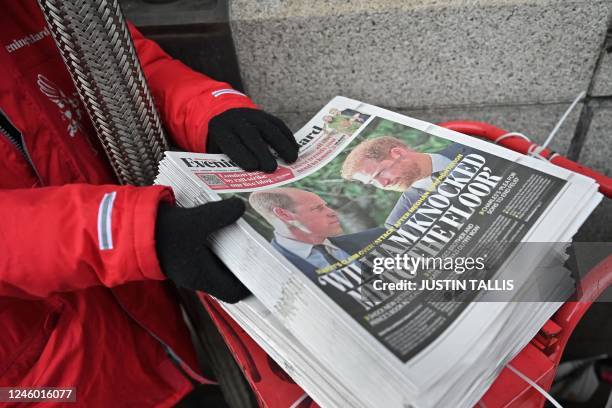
(83, 301)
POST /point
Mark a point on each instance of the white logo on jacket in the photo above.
(69, 107)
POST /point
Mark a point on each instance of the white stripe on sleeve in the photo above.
(105, 229)
(220, 92)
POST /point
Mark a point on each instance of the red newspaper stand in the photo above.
(538, 360)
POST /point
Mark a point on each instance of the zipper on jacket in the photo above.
(14, 136)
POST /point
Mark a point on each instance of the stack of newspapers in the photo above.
(395, 263)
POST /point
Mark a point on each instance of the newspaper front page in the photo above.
(366, 189)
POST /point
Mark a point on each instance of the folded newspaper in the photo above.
(395, 263)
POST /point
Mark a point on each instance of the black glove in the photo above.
(181, 240)
(246, 135)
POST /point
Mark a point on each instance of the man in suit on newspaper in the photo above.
(388, 163)
(306, 231)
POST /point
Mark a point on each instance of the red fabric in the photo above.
(52, 243)
(184, 97)
(71, 313)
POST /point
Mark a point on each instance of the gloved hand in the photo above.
(246, 135)
(184, 254)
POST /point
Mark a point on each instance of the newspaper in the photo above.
(406, 228)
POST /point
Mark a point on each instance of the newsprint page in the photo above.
(472, 205)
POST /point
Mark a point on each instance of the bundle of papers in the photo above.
(395, 263)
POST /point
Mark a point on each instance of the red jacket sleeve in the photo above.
(186, 100)
(58, 239)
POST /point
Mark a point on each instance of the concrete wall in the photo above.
(514, 63)
(417, 53)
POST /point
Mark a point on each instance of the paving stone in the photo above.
(597, 149)
(603, 79)
(596, 153)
